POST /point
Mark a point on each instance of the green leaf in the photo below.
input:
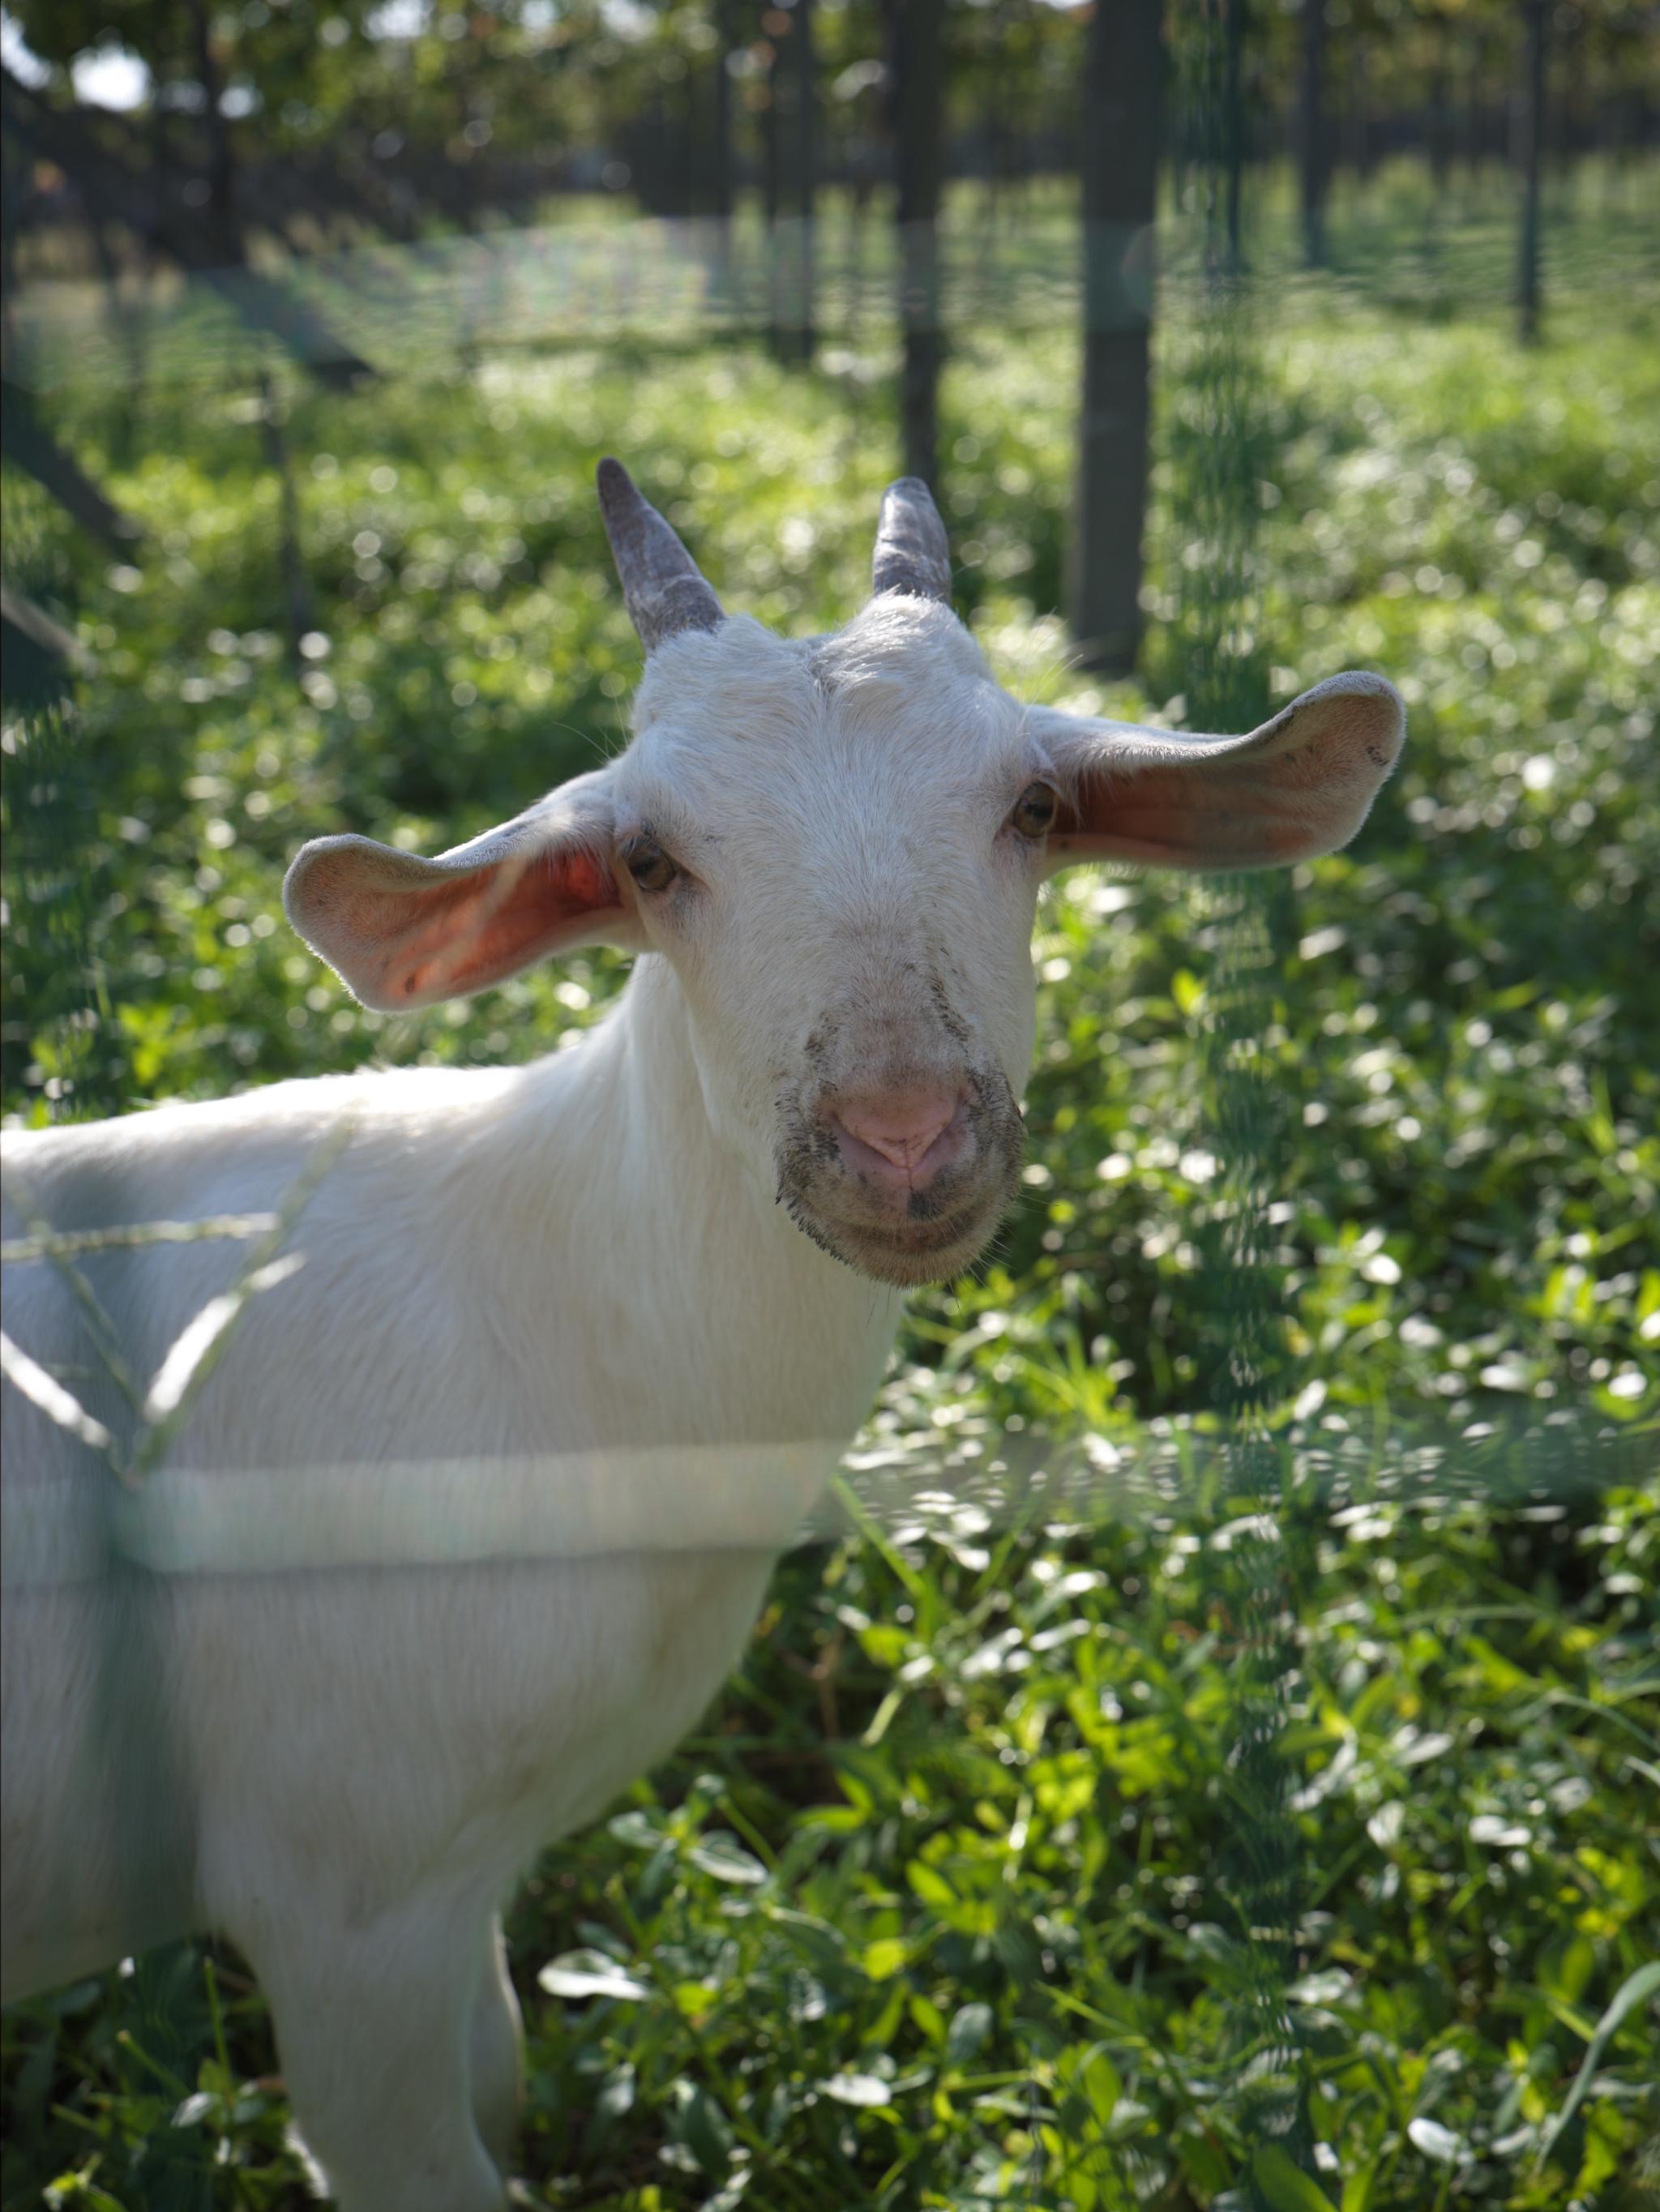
(725, 1857)
(1443, 2145)
(968, 2032)
(932, 1888)
(1284, 2183)
(884, 1957)
(615, 2094)
(1358, 2187)
(1187, 990)
(589, 1974)
(1102, 2085)
(1634, 1990)
(706, 2132)
(642, 1830)
(857, 2089)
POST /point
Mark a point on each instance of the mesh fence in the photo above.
(949, 1509)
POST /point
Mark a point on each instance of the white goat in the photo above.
(585, 1271)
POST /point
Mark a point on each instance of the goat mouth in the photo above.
(907, 1251)
(870, 1222)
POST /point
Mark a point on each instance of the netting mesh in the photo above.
(1254, 1482)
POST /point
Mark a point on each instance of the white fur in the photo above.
(576, 1268)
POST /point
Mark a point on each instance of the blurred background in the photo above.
(1272, 1824)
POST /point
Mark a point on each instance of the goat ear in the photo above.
(402, 932)
(1301, 785)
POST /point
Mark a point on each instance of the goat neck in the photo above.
(703, 1309)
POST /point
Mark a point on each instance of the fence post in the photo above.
(1119, 160)
(1530, 135)
(915, 28)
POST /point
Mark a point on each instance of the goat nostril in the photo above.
(901, 1131)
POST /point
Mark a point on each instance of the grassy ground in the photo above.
(1278, 1829)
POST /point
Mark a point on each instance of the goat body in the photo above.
(337, 1729)
(344, 1771)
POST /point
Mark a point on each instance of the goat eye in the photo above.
(1034, 810)
(648, 863)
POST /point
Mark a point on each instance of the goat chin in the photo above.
(908, 1255)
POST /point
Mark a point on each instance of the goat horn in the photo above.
(663, 587)
(912, 555)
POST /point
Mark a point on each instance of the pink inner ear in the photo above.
(1171, 816)
(458, 936)
(1180, 819)
(1298, 786)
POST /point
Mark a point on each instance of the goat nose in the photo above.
(901, 1128)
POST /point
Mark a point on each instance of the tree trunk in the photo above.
(1363, 139)
(1440, 135)
(993, 127)
(720, 164)
(1530, 135)
(1311, 132)
(221, 185)
(915, 30)
(1233, 123)
(796, 130)
(14, 171)
(770, 202)
(720, 116)
(1119, 148)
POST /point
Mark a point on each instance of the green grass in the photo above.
(952, 1899)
